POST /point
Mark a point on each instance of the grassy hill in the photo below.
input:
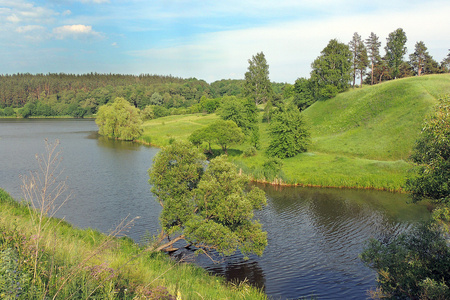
(361, 138)
(380, 122)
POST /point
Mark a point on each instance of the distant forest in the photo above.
(79, 95)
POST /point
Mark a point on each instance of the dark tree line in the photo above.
(79, 95)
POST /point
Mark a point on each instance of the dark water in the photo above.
(315, 235)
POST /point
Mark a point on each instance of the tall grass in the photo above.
(100, 266)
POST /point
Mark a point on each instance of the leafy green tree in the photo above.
(226, 133)
(119, 120)
(373, 50)
(147, 113)
(395, 50)
(431, 155)
(28, 110)
(331, 71)
(233, 109)
(257, 85)
(413, 265)
(209, 209)
(156, 99)
(288, 133)
(221, 132)
(9, 111)
(303, 93)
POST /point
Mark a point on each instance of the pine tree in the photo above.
(373, 50)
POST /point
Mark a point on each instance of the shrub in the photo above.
(250, 151)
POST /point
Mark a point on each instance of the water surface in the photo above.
(315, 235)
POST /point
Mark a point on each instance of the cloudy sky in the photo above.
(207, 39)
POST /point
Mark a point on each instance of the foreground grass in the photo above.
(84, 264)
(360, 139)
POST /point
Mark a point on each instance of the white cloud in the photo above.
(291, 47)
(28, 28)
(75, 32)
(66, 13)
(13, 18)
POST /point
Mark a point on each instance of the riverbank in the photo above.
(307, 169)
(86, 263)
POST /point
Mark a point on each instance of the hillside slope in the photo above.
(378, 122)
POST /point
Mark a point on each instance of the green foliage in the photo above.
(257, 85)
(250, 151)
(413, 265)
(209, 105)
(147, 113)
(331, 71)
(119, 120)
(395, 50)
(9, 111)
(209, 209)
(303, 93)
(223, 133)
(432, 156)
(233, 109)
(289, 135)
(159, 111)
(373, 52)
(359, 57)
(272, 168)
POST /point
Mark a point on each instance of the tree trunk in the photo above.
(372, 73)
(167, 246)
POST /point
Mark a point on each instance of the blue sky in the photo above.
(209, 40)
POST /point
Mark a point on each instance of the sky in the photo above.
(209, 40)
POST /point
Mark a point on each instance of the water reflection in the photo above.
(315, 237)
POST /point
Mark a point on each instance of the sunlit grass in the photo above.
(159, 132)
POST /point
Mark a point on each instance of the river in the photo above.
(314, 235)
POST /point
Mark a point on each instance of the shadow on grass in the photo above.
(218, 152)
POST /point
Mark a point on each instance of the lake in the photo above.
(315, 235)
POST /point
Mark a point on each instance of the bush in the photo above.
(9, 111)
(413, 265)
(250, 151)
(272, 168)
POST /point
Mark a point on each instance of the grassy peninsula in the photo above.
(361, 138)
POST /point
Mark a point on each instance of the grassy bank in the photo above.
(361, 138)
(76, 263)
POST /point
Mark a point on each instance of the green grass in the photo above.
(379, 122)
(67, 251)
(362, 138)
(159, 132)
